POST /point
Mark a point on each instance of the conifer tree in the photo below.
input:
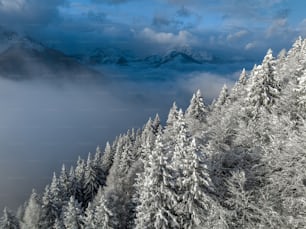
(65, 184)
(32, 212)
(197, 187)
(51, 204)
(197, 108)
(88, 217)
(79, 174)
(172, 116)
(239, 89)
(155, 194)
(8, 220)
(92, 181)
(169, 130)
(264, 89)
(148, 132)
(71, 214)
(222, 99)
(196, 114)
(107, 158)
(156, 125)
(103, 215)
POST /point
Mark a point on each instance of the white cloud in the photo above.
(209, 84)
(250, 45)
(11, 5)
(237, 35)
(302, 27)
(277, 26)
(182, 38)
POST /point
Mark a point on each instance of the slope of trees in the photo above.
(238, 163)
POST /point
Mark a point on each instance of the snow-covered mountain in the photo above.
(184, 55)
(104, 56)
(22, 58)
(172, 57)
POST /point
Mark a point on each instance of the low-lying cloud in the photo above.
(46, 123)
(210, 84)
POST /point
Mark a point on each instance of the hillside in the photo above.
(237, 163)
(22, 58)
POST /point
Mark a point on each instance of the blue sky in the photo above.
(240, 29)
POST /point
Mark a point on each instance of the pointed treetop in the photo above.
(269, 52)
(243, 76)
(174, 106)
(89, 159)
(156, 116)
(71, 171)
(198, 93)
(282, 54)
(296, 47)
(268, 57)
(298, 42)
(222, 97)
(156, 124)
(54, 178)
(148, 124)
(172, 116)
(34, 192)
(98, 149)
(107, 147)
(156, 120)
(197, 109)
(224, 88)
(63, 168)
(180, 114)
(5, 211)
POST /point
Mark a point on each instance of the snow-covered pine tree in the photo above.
(195, 202)
(119, 189)
(169, 130)
(32, 212)
(128, 156)
(196, 114)
(107, 158)
(155, 192)
(197, 109)
(243, 77)
(264, 89)
(93, 179)
(88, 217)
(178, 160)
(72, 214)
(147, 130)
(238, 91)
(51, 204)
(172, 116)
(156, 125)
(222, 99)
(79, 174)
(65, 184)
(8, 220)
(103, 215)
